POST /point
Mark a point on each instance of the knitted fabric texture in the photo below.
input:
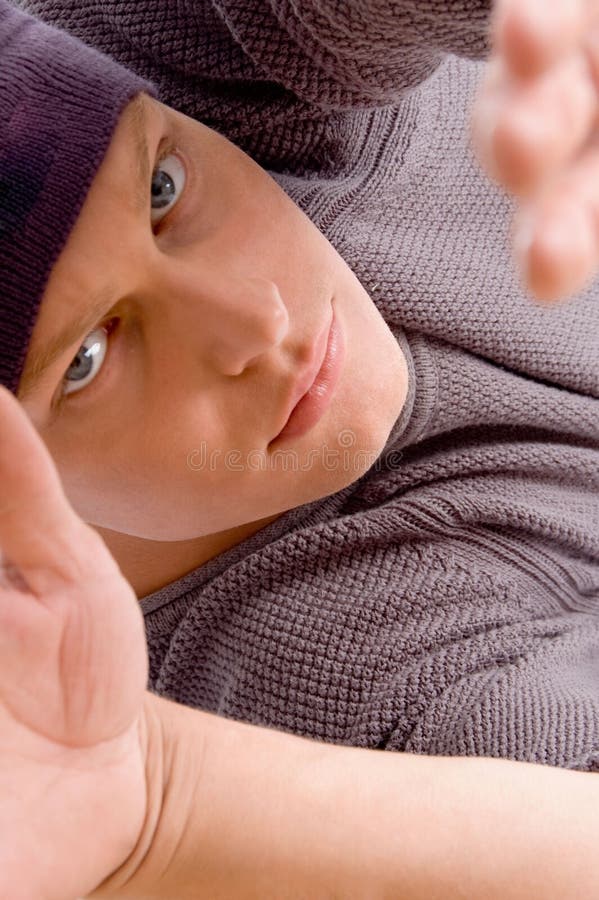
(448, 601)
(59, 105)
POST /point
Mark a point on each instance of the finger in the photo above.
(531, 35)
(38, 527)
(590, 46)
(525, 133)
(556, 238)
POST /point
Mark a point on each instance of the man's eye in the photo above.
(168, 183)
(87, 363)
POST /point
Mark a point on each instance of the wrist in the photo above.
(122, 883)
(253, 813)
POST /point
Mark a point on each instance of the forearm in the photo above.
(256, 813)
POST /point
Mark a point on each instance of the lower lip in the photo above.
(310, 409)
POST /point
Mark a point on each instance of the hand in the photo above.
(73, 672)
(535, 132)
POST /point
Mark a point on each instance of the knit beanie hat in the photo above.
(60, 102)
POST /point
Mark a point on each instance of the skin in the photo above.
(80, 733)
(221, 301)
(218, 307)
(535, 132)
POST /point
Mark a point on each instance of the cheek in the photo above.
(139, 471)
(95, 466)
(273, 236)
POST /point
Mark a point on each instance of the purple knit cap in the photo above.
(60, 102)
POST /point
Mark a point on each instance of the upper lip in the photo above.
(306, 379)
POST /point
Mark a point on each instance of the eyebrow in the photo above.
(74, 331)
(139, 130)
(78, 328)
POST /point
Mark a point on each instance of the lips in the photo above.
(307, 379)
(318, 387)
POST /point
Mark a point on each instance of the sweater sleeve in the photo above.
(329, 54)
(516, 673)
(539, 708)
(363, 51)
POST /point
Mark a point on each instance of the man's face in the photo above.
(211, 298)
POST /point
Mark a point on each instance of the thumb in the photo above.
(38, 526)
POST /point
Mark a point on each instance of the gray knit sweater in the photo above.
(448, 601)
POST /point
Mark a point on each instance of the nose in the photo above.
(233, 318)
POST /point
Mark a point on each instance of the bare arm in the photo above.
(243, 812)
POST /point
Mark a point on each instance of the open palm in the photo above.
(73, 673)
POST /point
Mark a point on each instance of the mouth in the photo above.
(313, 391)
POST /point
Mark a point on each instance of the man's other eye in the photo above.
(168, 183)
(88, 362)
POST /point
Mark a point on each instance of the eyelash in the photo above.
(163, 152)
(109, 326)
(169, 147)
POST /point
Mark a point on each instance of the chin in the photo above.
(354, 451)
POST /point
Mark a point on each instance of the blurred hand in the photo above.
(73, 672)
(535, 132)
